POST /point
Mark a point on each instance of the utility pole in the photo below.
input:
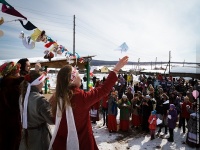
(155, 62)
(74, 37)
(169, 60)
(151, 65)
(138, 65)
(183, 62)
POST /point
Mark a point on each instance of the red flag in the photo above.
(49, 44)
(11, 11)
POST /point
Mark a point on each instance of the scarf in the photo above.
(37, 81)
(72, 137)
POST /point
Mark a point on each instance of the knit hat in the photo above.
(153, 112)
(8, 68)
(172, 106)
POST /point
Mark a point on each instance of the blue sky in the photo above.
(151, 28)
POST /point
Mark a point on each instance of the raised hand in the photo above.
(121, 63)
(37, 66)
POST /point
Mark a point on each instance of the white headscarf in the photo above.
(37, 81)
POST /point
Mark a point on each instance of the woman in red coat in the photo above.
(185, 115)
(71, 106)
(10, 126)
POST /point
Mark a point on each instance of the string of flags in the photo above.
(29, 42)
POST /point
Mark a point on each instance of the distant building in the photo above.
(104, 69)
(177, 71)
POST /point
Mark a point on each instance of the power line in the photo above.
(100, 32)
(43, 12)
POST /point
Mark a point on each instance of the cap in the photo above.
(153, 112)
(172, 106)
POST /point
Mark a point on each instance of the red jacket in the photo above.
(82, 102)
(185, 113)
(105, 102)
(154, 124)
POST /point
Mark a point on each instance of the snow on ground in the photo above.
(135, 140)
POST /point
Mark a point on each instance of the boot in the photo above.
(165, 129)
(170, 139)
(152, 137)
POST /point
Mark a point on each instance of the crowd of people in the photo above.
(26, 113)
(153, 99)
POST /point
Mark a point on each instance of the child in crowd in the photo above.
(172, 118)
(152, 124)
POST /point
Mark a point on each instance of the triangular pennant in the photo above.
(49, 44)
(28, 25)
(11, 11)
(49, 39)
(4, 2)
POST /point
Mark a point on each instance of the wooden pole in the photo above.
(169, 60)
(45, 86)
(74, 37)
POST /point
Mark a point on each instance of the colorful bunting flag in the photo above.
(36, 34)
(28, 25)
(4, 2)
(49, 44)
(11, 11)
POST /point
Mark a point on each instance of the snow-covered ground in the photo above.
(135, 140)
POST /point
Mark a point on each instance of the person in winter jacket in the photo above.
(152, 124)
(172, 118)
(193, 134)
(112, 112)
(164, 108)
(125, 106)
(71, 106)
(185, 115)
(146, 107)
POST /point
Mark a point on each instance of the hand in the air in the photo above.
(121, 63)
